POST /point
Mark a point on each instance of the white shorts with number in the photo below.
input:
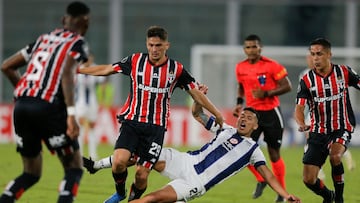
(180, 170)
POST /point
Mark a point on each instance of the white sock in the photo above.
(81, 140)
(92, 144)
(103, 163)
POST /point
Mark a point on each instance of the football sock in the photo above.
(337, 173)
(69, 185)
(319, 188)
(120, 180)
(17, 187)
(81, 140)
(257, 175)
(135, 193)
(103, 163)
(278, 168)
(92, 143)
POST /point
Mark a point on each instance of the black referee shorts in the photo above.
(271, 124)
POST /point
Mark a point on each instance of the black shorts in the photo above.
(143, 140)
(317, 147)
(271, 123)
(36, 120)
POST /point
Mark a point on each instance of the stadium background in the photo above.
(118, 29)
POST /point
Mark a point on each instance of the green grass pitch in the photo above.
(238, 189)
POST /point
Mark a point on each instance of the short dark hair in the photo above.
(157, 31)
(77, 8)
(321, 41)
(252, 110)
(253, 37)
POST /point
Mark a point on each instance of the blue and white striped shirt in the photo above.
(227, 154)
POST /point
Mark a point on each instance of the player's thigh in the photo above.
(27, 124)
(316, 151)
(150, 145)
(187, 190)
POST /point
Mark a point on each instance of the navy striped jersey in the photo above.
(224, 156)
(328, 99)
(151, 88)
(46, 59)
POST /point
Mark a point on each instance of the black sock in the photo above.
(135, 193)
(120, 180)
(319, 188)
(18, 187)
(337, 173)
(70, 187)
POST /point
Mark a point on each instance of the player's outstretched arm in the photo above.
(97, 70)
(275, 185)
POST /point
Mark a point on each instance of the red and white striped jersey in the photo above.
(46, 59)
(151, 88)
(328, 99)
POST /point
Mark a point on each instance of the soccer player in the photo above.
(144, 116)
(195, 172)
(325, 89)
(86, 106)
(350, 163)
(44, 103)
(261, 81)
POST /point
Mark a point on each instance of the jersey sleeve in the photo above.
(123, 66)
(79, 51)
(186, 81)
(354, 79)
(303, 93)
(257, 158)
(27, 51)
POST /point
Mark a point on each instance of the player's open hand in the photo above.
(203, 88)
(293, 199)
(303, 128)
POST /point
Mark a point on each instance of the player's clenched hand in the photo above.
(303, 128)
(293, 199)
(237, 110)
(72, 127)
(219, 120)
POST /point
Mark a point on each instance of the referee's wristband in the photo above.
(70, 110)
(266, 94)
(240, 100)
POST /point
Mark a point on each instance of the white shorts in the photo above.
(89, 112)
(180, 170)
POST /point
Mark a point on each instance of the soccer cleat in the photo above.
(89, 165)
(259, 189)
(115, 198)
(280, 199)
(331, 198)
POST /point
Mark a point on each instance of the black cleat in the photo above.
(259, 189)
(89, 165)
(331, 198)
